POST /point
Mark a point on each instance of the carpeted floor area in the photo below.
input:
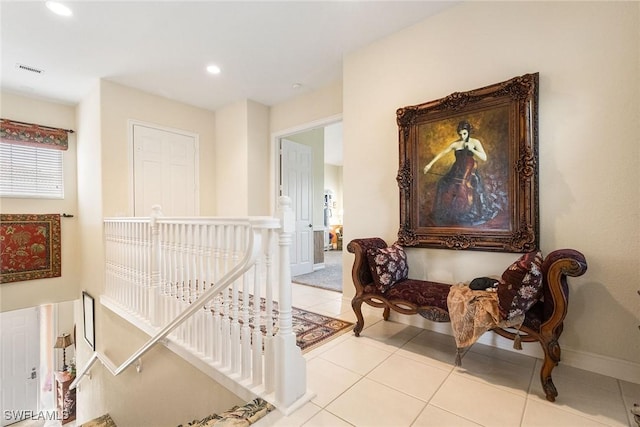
(329, 277)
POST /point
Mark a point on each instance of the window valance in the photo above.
(21, 133)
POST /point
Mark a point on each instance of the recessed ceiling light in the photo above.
(59, 8)
(213, 69)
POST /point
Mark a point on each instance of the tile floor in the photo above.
(398, 375)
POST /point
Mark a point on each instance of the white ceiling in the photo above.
(162, 47)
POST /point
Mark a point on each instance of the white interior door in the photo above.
(165, 172)
(297, 182)
(20, 344)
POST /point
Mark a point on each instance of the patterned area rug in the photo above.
(311, 329)
(103, 421)
(329, 277)
(238, 416)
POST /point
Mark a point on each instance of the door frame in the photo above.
(275, 152)
(131, 123)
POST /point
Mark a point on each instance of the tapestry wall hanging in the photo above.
(469, 169)
(29, 247)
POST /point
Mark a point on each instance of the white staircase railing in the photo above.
(210, 286)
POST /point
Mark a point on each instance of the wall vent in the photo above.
(29, 68)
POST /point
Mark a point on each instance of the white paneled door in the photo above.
(297, 182)
(19, 363)
(165, 171)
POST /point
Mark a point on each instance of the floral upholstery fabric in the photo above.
(364, 273)
(388, 266)
(520, 286)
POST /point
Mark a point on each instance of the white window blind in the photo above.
(28, 171)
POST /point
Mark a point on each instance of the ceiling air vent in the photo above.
(29, 68)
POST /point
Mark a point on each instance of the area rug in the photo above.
(103, 421)
(238, 416)
(311, 329)
(329, 277)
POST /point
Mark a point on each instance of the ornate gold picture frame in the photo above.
(468, 174)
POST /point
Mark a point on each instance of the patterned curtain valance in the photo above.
(20, 133)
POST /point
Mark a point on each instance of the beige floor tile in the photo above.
(515, 357)
(405, 365)
(328, 380)
(585, 393)
(370, 404)
(436, 417)
(478, 402)
(355, 355)
(409, 376)
(338, 308)
(296, 419)
(564, 372)
(430, 347)
(327, 345)
(326, 419)
(497, 372)
(307, 300)
(538, 414)
(389, 335)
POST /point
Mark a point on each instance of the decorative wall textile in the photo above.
(13, 132)
(29, 247)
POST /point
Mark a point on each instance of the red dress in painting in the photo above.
(460, 197)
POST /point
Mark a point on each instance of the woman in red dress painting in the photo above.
(460, 196)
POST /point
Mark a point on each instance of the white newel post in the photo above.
(291, 373)
(154, 287)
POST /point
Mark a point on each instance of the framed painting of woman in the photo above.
(468, 172)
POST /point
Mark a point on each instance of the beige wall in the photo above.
(119, 104)
(307, 108)
(242, 161)
(35, 292)
(587, 55)
(258, 159)
(162, 394)
(231, 160)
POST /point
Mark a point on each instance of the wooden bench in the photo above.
(543, 321)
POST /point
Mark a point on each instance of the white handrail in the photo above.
(166, 270)
(224, 282)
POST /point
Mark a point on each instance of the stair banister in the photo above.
(255, 243)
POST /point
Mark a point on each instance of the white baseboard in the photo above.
(318, 266)
(604, 365)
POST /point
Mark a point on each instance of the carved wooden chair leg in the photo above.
(551, 359)
(356, 304)
(385, 314)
